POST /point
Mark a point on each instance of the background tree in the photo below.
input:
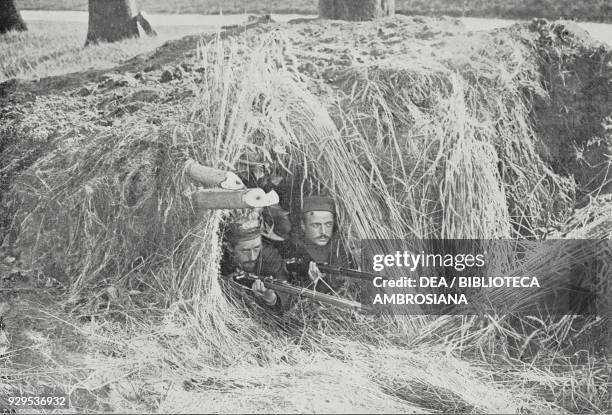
(356, 10)
(10, 19)
(114, 20)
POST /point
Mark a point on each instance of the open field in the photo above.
(418, 128)
(583, 10)
(53, 48)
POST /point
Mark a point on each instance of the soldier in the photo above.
(246, 253)
(316, 243)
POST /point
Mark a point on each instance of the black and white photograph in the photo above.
(306, 206)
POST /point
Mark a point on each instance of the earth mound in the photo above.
(417, 127)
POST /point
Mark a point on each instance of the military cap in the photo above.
(242, 231)
(318, 203)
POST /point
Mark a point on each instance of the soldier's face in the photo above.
(245, 254)
(318, 227)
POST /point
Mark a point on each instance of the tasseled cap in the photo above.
(318, 203)
(242, 231)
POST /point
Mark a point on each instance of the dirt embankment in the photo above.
(570, 117)
(461, 128)
(553, 94)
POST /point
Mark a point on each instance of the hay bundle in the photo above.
(456, 140)
(420, 148)
(434, 148)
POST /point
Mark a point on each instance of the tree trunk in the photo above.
(114, 20)
(10, 19)
(356, 10)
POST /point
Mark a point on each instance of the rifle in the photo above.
(286, 288)
(346, 272)
(300, 266)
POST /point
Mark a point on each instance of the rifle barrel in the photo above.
(346, 272)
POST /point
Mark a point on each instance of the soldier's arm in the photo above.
(273, 264)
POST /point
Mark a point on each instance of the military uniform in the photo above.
(300, 251)
(269, 263)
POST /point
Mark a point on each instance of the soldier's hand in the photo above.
(313, 272)
(260, 290)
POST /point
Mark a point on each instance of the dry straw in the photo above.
(440, 149)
